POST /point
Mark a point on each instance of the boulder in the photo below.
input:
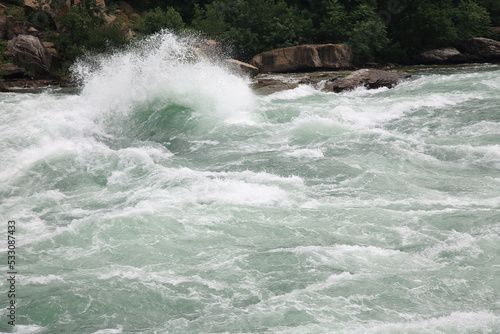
(480, 49)
(369, 78)
(11, 71)
(304, 58)
(441, 56)
(242, 68)
(29, 52)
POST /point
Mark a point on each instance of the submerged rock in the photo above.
(304, 58)
(369, 78)
(266, 86)
(29, 52)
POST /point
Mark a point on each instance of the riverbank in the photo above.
(262, 84)
(58, 34)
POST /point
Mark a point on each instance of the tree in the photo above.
(159, 19)
(209, 20)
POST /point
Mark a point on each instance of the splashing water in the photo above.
(164, 197)
(164, 69)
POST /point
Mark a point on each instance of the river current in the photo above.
(164, 196)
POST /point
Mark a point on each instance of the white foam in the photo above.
(306, 153)
(457, 246)
(164, 68)
(362, 259)
(292, 94)
(28, 329)
(118, 329)
(454, 323)
(43, 279)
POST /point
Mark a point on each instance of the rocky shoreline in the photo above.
(269, 83)
(30, 58)
(333, 64)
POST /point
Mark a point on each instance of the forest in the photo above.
(376, 30)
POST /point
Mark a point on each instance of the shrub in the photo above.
(209, 20)
(103, 37)
(159, 19)
(14, 2)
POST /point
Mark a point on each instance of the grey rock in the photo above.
(480, 49)
(369, 78)
(29, 52)
(304, 58)
(441, 56)
(270, 86)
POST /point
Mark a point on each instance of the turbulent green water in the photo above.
(165, 197)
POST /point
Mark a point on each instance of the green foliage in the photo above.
(40, 19)
(209, 20)
(14, 2)
(333, 23)
(351, 22)
(367, 39)
(17, 13)
(184, 7)
(104, 37)
(425, 25)
(254, 26)
(158, 19)
(289, 26)
(83, 28)
(3, 49)
(493, 8)
(471, 20)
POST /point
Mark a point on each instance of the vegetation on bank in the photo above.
(377, 30)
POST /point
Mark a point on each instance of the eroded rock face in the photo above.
(304, 58)
(369, 78)
(29, 52)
